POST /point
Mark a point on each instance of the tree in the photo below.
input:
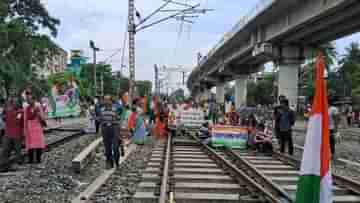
(32, 13)
(114, 84)
(23, 50)
(330, 54)
(307, 73)
(261, 92)
(102, 71)
(350, 66)
(143, 87)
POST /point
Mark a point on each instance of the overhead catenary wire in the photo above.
(178, 38)
(124, 47)
(114, 54)
(135, 28)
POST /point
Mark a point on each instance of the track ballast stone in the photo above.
(52, 181)
(123, 183)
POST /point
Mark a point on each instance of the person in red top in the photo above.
(34, 135)
(13, 133)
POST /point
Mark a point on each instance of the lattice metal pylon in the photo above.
(131, 30)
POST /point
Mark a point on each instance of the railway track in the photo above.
(279, 174)
(52, 143)
(58, 142)
(186, 171)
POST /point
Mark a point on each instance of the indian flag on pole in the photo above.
(315, 182)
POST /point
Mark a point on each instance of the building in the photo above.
(55, 63)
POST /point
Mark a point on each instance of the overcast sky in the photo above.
(104, 22)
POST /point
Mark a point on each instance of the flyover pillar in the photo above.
(220, 94)
(240, 91)
(197, 97)
(289, 75)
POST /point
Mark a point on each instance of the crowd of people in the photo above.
(22, 121)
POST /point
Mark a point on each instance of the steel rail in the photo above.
(238, 175)
(336, 160)
(165, 174)
(266, 182)
(49, 146)
(351, 185)
(63, 140)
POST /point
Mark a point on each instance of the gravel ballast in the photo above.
(51, 181)
(123, 183)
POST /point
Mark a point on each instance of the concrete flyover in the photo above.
(283, 31)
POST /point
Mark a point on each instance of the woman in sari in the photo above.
(160, 123)
(34, 135)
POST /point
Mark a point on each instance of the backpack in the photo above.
(286, 120)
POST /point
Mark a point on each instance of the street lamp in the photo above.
(95, 49)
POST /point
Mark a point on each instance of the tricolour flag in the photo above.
(315, 182)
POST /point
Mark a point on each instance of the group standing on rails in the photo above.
(22, 121)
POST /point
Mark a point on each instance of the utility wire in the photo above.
(114, 54)
(124, 46)
(122, 65)
(178, 38)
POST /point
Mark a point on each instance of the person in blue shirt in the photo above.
(119, 106)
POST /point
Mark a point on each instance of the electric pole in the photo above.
(186, 12)
(157, 84)
(95, 49)
(132, 31)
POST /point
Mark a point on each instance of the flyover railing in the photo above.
(261, 6)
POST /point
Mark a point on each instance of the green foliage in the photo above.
(143, 87)
(342, 82)
(22, 49)
(114, 84)
(31, 12)
(307, 74)
(261, 92)
(350, 66)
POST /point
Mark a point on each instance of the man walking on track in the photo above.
(110, 128)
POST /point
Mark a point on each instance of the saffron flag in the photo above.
(125, 99)
(315, 182)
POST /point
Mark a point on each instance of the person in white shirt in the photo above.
(333, 124)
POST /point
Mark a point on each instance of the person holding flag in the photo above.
(315, 182)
